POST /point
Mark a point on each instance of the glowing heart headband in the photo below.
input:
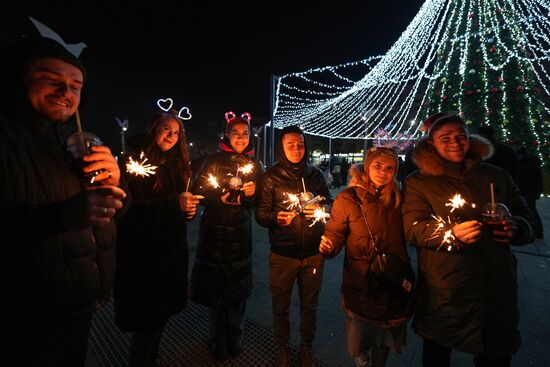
(166, 104)
(230, 117)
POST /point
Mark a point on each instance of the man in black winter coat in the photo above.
(294, 236)
(58, 259)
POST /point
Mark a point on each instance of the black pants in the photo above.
(62, 344)
(283, 272)
(226, 321)
(437, 355)
(144, 347)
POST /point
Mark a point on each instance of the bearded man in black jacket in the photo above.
(294, 236)
(58, 258)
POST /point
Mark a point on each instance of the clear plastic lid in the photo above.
(498, 211)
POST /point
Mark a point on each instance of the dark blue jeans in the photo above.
(283, 272)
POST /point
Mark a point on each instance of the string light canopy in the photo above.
(488, 60)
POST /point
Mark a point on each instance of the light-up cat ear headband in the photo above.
(230, 117)
(166, 104)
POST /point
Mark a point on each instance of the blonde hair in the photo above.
(391, 190)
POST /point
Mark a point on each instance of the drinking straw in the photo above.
(492, 198)
(188, 181)
(303, 184)
(78, 123)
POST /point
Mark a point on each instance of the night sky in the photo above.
(212, 57)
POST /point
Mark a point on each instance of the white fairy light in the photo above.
(447, 41)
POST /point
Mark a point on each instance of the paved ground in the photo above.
(534, 291)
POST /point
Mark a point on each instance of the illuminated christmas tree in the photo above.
(488, 60)
(492, 70)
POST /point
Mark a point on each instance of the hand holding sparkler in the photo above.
(285, 218)
(249, 188)
(468, 232)
(309, 210)
(326, 246)
(188, 203)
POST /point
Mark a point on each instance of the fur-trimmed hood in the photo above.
(358, 178)
(431, 164)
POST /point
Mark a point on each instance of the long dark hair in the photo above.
(177, 155)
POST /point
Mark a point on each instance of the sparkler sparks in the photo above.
(140, 168)
(293, 201)
(246, 169)
(212, 181)
(319, 215)
(456, 202)
(444, 229)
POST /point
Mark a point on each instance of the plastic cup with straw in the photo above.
(79, 145)
(494, 214)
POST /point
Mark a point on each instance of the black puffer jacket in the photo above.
(152, 251)
(466, 297)
(223, 264)
(298, 240)
(47, 271)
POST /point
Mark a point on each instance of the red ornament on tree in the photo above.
(535, 142)
(443, 97)
(469, 92)
(520, 88)
(493, 49)
(494, 90)
(509, 142)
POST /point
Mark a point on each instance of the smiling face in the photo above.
(167, 134)
(382, 170)
(451, 141)
(239, 136)
(294, 147)
(53, 88)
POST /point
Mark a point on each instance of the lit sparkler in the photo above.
(319, 215)
(140, 168)
(246, 169)
(212, 181)
(457, 202)
(293, 201)
(444, 230)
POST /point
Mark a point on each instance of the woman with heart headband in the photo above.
(221, 278)
(152, 250)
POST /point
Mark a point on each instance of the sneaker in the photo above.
(363, 359)
(283, 357)
(306, 357)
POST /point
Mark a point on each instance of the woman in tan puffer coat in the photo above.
(375, 320)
